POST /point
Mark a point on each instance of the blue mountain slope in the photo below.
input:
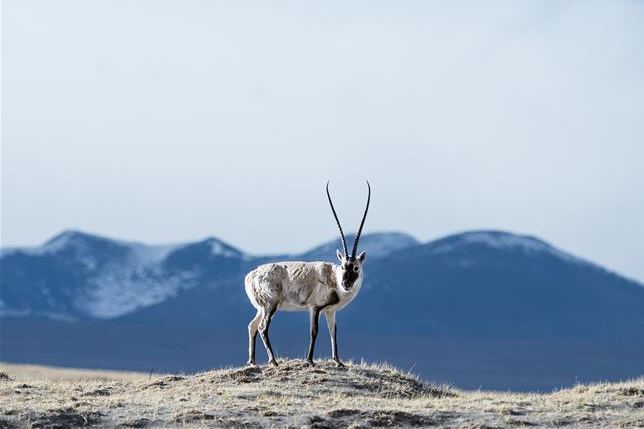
(489, 284)
(51, 280)
(79, 276)
(481, 284)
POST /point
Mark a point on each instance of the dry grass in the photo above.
(294, 395)
(24, 372)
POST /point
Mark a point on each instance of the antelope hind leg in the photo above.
(263, 332)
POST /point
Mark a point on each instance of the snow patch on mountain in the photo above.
(146, 255)
(119, 285)
(219, 248)
(118, 292)
(503, 240)
(121, 288)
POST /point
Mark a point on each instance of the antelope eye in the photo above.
(356, 269)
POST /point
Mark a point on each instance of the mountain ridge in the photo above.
(128, 272)
(482, 282)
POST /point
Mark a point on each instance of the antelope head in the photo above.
(349, 272)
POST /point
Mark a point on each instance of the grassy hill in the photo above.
(294, 395)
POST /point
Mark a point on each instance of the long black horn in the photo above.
(344, 241)
(355, 242)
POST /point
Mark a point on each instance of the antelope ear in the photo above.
(339, 255)
(362, 256)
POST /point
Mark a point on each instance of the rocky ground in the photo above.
(295, 395)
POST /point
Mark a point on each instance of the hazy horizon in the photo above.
(164, 122)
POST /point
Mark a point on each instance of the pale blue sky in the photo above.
(167, 121)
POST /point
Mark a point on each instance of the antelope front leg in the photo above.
(252, 334)
(315, 317)
(330, 322)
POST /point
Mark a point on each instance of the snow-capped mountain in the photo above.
(76, 275)
(491, 284)
(528, 245)
(476, 284)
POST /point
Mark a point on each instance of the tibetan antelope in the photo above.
(313, 286)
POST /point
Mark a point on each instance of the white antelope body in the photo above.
(313, 286)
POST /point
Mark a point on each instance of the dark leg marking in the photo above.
(336, 359)
(263, 332)
(252, 347)
(334, 299)
(315, 318)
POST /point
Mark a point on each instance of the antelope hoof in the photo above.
(273, 362)
(339, 364)
(309, 362)
(251, 362)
